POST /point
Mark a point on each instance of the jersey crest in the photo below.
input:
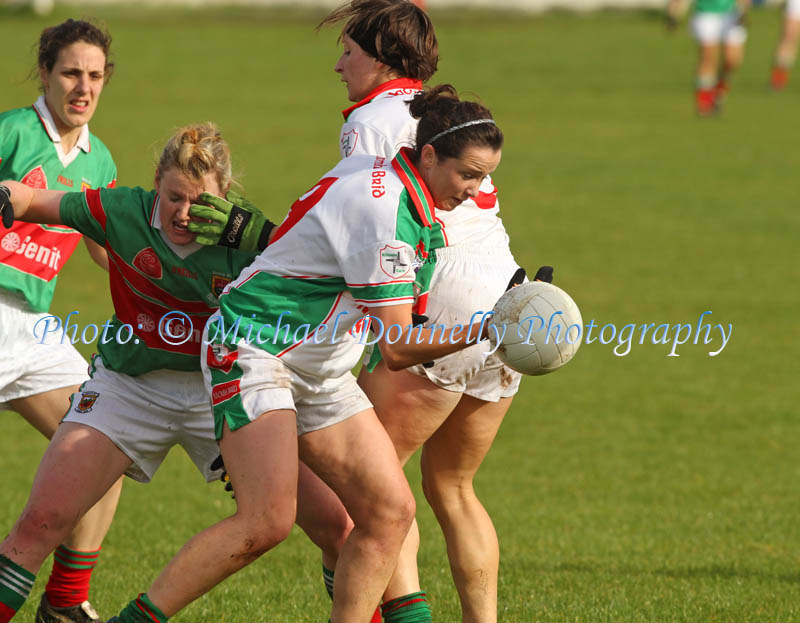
(393, 262)
(35, 178)
(218, 283)
(87, 402)
(349, 142)
(147, 261)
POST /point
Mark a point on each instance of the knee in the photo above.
(329, 532)
(393, 514)
(260, 533)
(45, 523)
(445, 494)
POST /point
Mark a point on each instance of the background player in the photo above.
(48, 145)
(146, 392)
(718, 28)
(786, 52)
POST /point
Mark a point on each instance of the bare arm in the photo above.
(415, 344)
(97, 252)
(33, 205)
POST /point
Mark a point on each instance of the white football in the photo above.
(539, 327)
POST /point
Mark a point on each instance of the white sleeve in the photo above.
(358, 138)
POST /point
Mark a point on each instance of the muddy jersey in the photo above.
(30, 152)
(381, 124)
(359, 238)
(163, 294)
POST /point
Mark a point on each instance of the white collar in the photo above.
(181, 250)
(50, 127)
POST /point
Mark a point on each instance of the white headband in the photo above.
(458, 127)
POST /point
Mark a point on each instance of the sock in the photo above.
(69, 581)
(327, 576)
(15, 586)
(141, 610)
(411, 608)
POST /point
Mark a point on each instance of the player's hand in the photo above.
(218, 463)
(6, 209)
(233, 222)
(545, 273)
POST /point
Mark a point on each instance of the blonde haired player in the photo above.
(146, 392)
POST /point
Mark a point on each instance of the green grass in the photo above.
(637, 488)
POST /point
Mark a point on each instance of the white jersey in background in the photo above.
(380, 124)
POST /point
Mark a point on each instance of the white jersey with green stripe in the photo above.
(381, 123)
(32, 254)
(360, 238)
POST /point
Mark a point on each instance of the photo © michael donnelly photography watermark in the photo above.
(177, 328)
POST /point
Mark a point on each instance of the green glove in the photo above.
(233, 222)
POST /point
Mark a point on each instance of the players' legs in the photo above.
(785, 52)
(411, 408)
(706, 77)
(450, 459)
(374, 490)
(261, 460)
(44, 412)
(78, 467)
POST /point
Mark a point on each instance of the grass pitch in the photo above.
(635, 488)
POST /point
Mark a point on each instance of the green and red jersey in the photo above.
(164, 292)
(30, 152)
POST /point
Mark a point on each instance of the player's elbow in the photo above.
(395, 359)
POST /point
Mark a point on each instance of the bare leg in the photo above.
(450, 459)
(787, 47)
(410, 408)
(261, 459)
(44, 412)
(321, 515)
(374, 490)
(67, 483)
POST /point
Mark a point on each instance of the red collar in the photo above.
(397, 83)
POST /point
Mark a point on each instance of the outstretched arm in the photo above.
(30, 204)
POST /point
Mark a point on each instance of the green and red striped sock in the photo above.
(69, 580)
(141, 610)
(15, 586)
(411, 608)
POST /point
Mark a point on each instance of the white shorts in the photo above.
(27, 367)
(148, 414)
(248, 381)
(712, 28)
(468, 279)
(793, 9)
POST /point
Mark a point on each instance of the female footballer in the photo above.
(278, 365)
(146, 392)
(454, 407)
(48, 145)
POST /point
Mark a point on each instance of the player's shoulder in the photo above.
(381, 111)
(18, 121)
(127, 202)
(99, 149)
